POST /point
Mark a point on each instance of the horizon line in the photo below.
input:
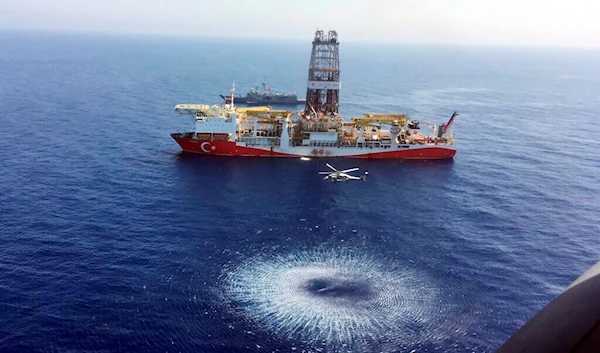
(283, 38)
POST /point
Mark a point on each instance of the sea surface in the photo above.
(113, 240)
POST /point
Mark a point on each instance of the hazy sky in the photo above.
(523, 22)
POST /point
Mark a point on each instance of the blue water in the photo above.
(113, 240)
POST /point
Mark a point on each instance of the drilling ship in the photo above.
(317, 131)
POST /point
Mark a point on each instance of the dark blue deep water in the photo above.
(112, 240)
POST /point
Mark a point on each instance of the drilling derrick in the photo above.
(323, 87)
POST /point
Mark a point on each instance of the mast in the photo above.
(323, 86)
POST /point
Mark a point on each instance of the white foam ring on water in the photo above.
(337, 298)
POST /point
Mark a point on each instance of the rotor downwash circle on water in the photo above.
(335, 298)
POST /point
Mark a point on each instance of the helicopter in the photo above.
(342, 175)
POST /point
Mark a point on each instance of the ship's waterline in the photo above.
(338, 298)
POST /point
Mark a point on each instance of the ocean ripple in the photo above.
(342, 298)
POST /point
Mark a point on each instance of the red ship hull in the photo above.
(229, 148)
